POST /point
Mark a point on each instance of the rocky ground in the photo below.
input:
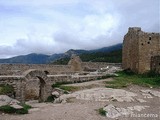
(131, 103)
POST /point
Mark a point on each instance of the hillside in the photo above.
(111, 57)
(86, 55)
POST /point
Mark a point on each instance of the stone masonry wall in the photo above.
(155, 64)
(130, 49)
(18, 83)
(138, 48)
(29, 89)
(98, 65)
(149, 45)
(19, 69)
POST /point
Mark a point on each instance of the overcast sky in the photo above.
(54, 26)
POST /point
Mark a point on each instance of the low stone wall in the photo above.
(98, 65)
(28, 89)
(18, 69)
(73, 78)
(17, 82)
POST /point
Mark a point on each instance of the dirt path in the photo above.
(86, 102)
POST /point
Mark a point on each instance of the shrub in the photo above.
(22, 111)
(25, 106)
(102, 112)
(9, 109)
(50, 98)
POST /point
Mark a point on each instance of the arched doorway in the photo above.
(44, 87)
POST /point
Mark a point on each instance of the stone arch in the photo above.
(45, 83)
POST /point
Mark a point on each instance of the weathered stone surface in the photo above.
(32, 89)
(137, 108)
(146, 95)
(5, 100)
(33, 110)
(138, 48)
(111, 111)
(102, 94)
(115, 112)
(36, 84)
(56, 94)
(123, 98)
(76, 63)
(58, 91)
(152, 92)
(16, 106)
(140, 100)
(58, 100)
(14, 101)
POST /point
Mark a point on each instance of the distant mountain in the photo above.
(77, 52)
(104, 49)
(43, 59)
(108, 49)
(27, 59)
(112, 54)
(111, 57)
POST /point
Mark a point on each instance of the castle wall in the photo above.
(155, 64)
(138, 48)
(149, 46)
(131, 50)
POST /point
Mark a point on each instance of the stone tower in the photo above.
(138, 48)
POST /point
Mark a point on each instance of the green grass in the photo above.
(127, 78)
(6, 89)
(11, 110)
(65, 88)
(69, 88)
(102, 112)
(25, 106)
(7, 109)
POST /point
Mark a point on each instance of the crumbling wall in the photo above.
(155, 64)
(18, 83)
(75, 63)
(138, 48)
(149, 46)
(18, 69)
(130, 49)
(98, 65)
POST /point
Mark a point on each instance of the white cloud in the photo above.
(51, 26)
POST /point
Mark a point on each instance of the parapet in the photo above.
(135, 29)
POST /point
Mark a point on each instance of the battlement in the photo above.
(135, 29)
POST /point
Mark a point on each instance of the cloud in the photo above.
(51, 26)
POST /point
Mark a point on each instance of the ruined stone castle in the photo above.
(141, 51)
(33, 81)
